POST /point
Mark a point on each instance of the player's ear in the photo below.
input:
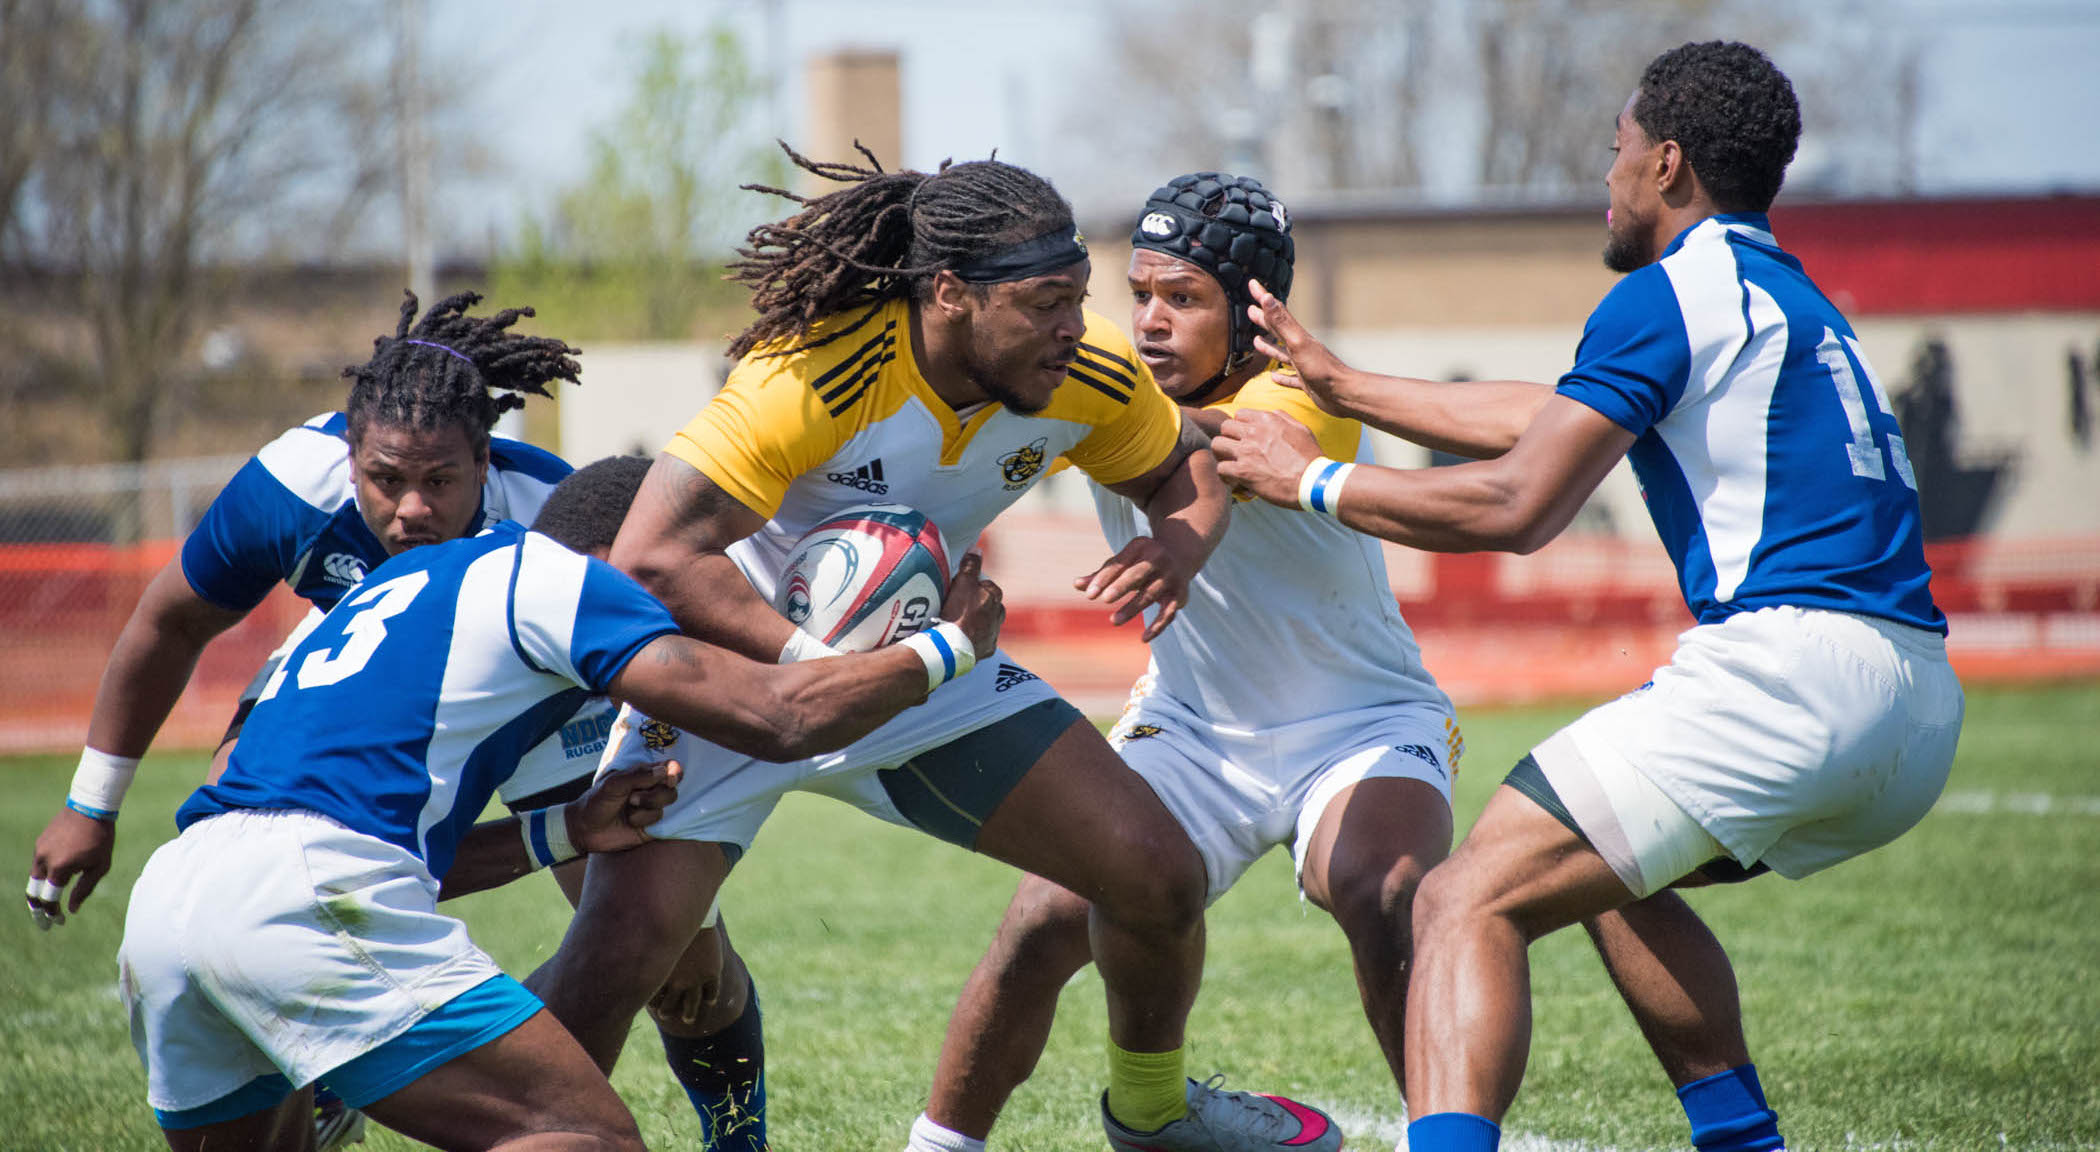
(953, 297)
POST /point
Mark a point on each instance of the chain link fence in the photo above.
(78, 546)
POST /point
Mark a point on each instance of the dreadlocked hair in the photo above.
(452, 368)
(882, 237)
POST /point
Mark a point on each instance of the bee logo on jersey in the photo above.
(1140, 731)
(1020, 465)
(657, 735)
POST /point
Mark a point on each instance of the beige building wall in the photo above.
(853, 95)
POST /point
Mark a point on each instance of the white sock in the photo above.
(927, 1136)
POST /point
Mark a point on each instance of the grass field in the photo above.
(1943, 993)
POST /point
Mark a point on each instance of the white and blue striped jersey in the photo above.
(404, 709)
(1768, 454)
(291, 514)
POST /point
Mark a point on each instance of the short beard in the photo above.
(992, 384)
(1626, 251)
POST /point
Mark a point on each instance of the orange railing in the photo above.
(1585, 617)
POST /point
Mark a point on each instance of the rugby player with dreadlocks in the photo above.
(931, 323)
(409, 461)
(1289, 706)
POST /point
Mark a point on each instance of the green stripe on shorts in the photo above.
(951, 790)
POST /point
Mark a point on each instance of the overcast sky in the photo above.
(2009, 89)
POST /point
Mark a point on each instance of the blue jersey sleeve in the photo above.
(579, 617)
(249, 539)
(615, 618)
(1635, 358)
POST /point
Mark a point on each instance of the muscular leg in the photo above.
(1519, 875)
(289, 1127)
(1366, 858)
(1678, 983)
(1003, 1019)
(532, 1088)
(1083, 820)
(641, 910)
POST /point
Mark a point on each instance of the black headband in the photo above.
(1058, 248)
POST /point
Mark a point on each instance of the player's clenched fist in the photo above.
(976, 604)
(1265, 453)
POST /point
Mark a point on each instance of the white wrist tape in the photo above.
(100, 782)
(947, 651)
(1320, 485)
(546, 832)
(803, 646)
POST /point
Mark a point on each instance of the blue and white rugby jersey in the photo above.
(1769, 456)
(291, 514)
(401, 713)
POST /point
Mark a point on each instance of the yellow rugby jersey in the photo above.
(800, 436)
(1292, 617)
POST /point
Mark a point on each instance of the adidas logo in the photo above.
(1421, 752)
(867, 478)
(343, 568)
(1012, 674)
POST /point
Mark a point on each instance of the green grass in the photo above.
(1943, 993)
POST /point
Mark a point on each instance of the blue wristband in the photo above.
(91, 813)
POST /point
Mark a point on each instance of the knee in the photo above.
(1440, 901)
(1378, 900)
(1045, 932)
(1163, 892)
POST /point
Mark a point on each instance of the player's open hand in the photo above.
(1145, 574)
(620, 806)
(1308, 365)
(1264, 453)
(975, 603)
(72, 849)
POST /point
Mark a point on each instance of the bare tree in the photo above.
(184, 136)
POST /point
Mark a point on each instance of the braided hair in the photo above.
(882, 237)
(452, 368)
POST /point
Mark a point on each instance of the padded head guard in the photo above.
(1230, 227)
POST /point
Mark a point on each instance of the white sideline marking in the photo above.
(1979, 803)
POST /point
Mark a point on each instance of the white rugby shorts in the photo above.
(1238, 793)
(1795, 737)
(261, 942)
(726, 795)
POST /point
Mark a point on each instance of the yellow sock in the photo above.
(1146, 1090)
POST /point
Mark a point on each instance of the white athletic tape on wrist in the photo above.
(100, 782)
(803, 646)
(1320, 485)
(947, 651)
(546, 832)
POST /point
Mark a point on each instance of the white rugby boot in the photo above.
(1222, 1121)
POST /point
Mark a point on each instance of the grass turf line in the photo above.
(1941, 994)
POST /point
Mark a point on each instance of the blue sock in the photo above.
(1453, 1132)
(724, 1075)
(1729, 1114)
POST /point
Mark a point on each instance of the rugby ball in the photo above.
(869, 575)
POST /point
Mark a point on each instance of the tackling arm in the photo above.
(1475, 418)
(610, 817)
(1515, 502)
(789, 711)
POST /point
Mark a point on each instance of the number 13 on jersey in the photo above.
(361, 636)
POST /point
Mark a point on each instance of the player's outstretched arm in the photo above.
(1476, 418)
(1189, 510)
(789, 711)
(675, 543)
(147, 671)
(1515, 502)
(612, 817)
